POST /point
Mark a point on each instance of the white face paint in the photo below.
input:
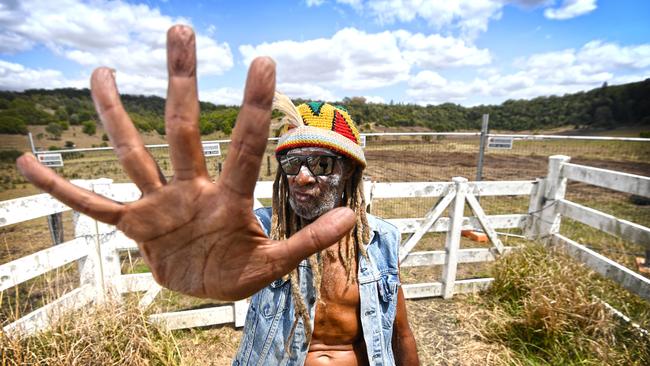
(311, 196)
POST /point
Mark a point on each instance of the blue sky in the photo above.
(412, 51)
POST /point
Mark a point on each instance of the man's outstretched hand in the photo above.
(200, 238)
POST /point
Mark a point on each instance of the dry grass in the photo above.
(545, 308)
(103, 335)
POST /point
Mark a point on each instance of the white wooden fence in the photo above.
(548, 205)
(97, 246)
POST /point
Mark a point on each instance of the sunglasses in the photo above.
(318, 165)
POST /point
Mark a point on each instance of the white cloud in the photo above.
(429, 87)
(18, 77)
(470, 17)
(351, 59)
(355, 4)
(314, 2)
(127, 37)
(227, 96)
(140, 84)
(557, 72)
(355, 60)
(374, 99)
(610, 55)
(11, 42)
(307, 91)
(570, 9)
(436, 51)
(592, 64)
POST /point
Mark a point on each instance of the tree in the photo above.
(12, 125)
(54, 129)
(89, 128)
(603, 117)
(205, 127)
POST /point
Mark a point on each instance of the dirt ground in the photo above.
(418, 165)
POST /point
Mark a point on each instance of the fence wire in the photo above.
(407, 157)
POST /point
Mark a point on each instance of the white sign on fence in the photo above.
(363, 141)
(52, 160)
(212, 149)
(500, 143)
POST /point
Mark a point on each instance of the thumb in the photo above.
(320, 234)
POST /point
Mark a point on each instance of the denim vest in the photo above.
(271, 312)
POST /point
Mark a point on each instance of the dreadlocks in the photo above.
(285, 223)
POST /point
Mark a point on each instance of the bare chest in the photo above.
(337, 320)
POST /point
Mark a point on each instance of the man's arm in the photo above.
(198, 237)
(404, 348)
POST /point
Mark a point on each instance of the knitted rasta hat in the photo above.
(318, 124)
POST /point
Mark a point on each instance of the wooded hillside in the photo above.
(605, 107)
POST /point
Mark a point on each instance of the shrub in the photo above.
(9, 155)
(54, 129)
(644, 134)
(206, 127)
(69, 144)
(89, 128)
(12, 125)
(104, 137)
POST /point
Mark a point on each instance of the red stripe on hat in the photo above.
(342, 127)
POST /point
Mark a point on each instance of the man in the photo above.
(184, 227)
(349, 292)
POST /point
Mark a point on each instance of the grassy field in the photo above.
(448, 332)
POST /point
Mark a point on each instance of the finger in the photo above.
(251, 131)
(130, 150)
(79, 199)
(182, 107)
(319, 235)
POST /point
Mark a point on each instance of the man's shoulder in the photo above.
(381, 226)
(264, 217)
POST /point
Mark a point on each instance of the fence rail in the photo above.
(97, 249)
(546, 217)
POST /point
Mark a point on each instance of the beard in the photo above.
(329, 198)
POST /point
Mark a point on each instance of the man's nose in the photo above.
(304, 176)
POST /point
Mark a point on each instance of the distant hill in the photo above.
(606, 107)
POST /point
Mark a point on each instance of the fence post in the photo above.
(554, 190)
(536, 202)
(110, 259)
(481, 151)
(99, 266)
(240, 309)
(452, 243)
(368, 187)
(55, 223)
(31, 143)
